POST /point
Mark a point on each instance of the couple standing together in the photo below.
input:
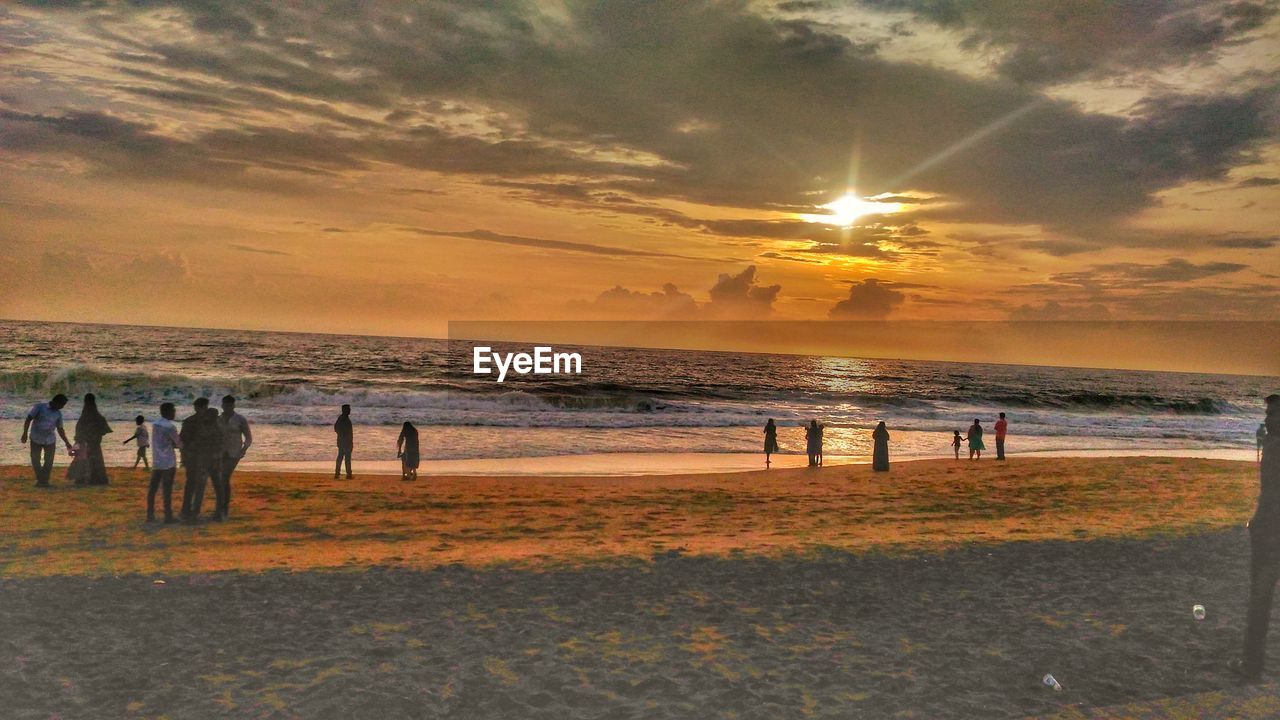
(43, 427)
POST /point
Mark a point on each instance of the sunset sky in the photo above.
(386, 167)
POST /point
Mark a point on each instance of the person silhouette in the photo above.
(236, 439)
(955, 443)
(976, 445)
(165, 441)
(407, 451)
(1002, 429)
(346, 441)
(43, 427)
(90, 429)
(770, 440)
(201, 442)
(813, 443)
(880, 455)
(1264, 552)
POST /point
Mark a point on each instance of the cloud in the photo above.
(741, 296)
(1174, 270)
(545, 244)
(733, 297)
(262, 251)
(619, 302)
(1257, 182)
(1053, 311)
(1253, 243)
(1047, 42)
(870, 299)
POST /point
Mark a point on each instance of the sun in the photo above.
(847, 208)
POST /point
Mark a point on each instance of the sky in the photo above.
(386, 167)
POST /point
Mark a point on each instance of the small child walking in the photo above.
(955, 444)
(144, 442)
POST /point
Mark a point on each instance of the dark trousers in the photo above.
(344, 454)
(42, 461)
(1264, 571)
(999, 448)
(159, 478)
(199, 471)
(228, 467)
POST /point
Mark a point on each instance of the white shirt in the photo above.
(44, 424)
(144, 440)
(166, 439)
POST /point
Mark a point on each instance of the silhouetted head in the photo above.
(1273, 414)
(957, 432)
(211, 412)
(139, 419)
(1001, 416)
(976, 421)
(880, 426)
(57, 402)
(813, 424)
(346, 410)
(200, 403)
(770, 423)
(409, 428)
(167, 411)
(90, 403)
(228, 403)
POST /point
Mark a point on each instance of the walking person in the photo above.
(880, 453)
(956, 440)
(770, 440)
(976, 445)
(1264, 552)
(165, 443)
(201, 446)
(236, 439)
(42, 428)
(346, 441)
(1002, 429)
(407, 451)
(813, 443)
(144, 442)
(90, 429)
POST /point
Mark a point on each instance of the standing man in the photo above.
(345, 441)
(1002, 429)
(201, 449)
(236, 439)
(44, 426)
(164, 441)
(1264, 552)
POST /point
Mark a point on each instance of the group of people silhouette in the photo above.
(208, 445)
(814, 431)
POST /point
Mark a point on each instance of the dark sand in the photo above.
(963, 633)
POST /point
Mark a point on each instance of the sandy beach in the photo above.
(940, 589)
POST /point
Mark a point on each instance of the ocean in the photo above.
(625, 402)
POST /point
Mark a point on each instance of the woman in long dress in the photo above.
(90, 429)
(770, 440)
(813, 443)
(407, 451)
(880, 456)
(976, 445)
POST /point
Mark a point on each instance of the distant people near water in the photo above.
(407, 451)
(346, 441)
(770, 440)
(1002, 429)
(144, 442)
(976, 445)
(956, 440)
(813, 443)
(1264, 551)
(42, 428)
(90, 429)
(165, 442)
(1262, 439)
(880, 455)
(236, 439)
(201, 447)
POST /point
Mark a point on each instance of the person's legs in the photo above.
(337, 464)
(156, 477)
(229, 464)
(197, 476)
(168, 493)
(42, 462)
(214, 475)
(347, 458)
(999, 448)
(1264, 570)
(142, 455)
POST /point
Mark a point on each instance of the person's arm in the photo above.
(131, 438)
(248, 436)
(26, 428)
(63, 434)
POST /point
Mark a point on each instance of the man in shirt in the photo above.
(201, 452)
(1002, 429)
(43, 427)
(236, 439)
(165, 441)
(346, 441)
(1264, 552)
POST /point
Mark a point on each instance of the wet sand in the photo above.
(938, 590)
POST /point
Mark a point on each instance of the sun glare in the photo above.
(846, 209)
